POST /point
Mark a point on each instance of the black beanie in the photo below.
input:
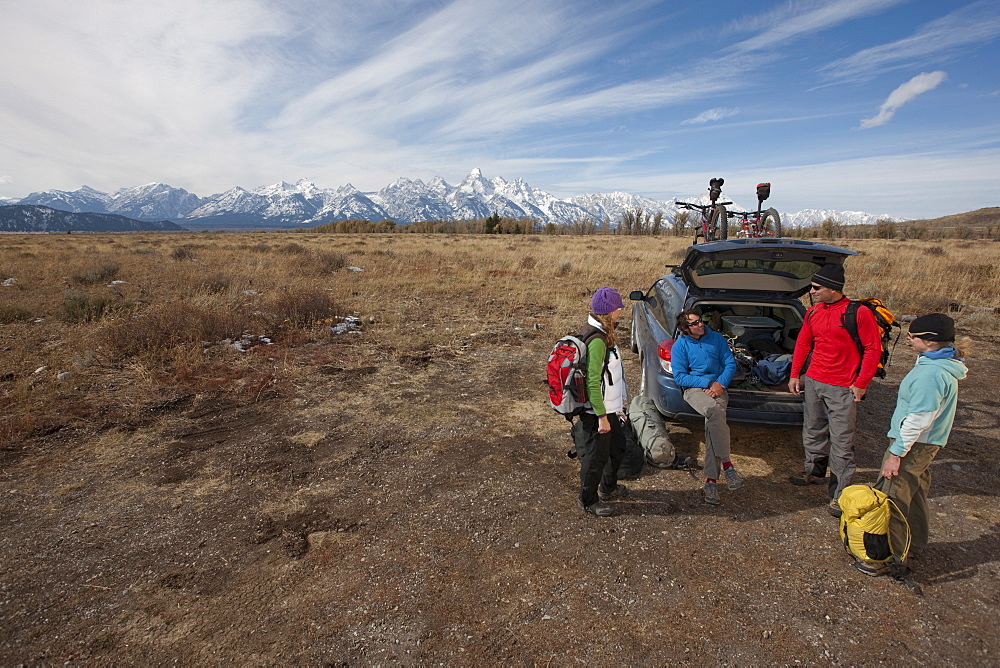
(933, 327)
(830, 276)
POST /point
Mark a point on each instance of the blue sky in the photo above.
(884, 106)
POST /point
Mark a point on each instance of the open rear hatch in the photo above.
(769, 269)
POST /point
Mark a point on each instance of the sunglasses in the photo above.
(695, 323)
(815, 287)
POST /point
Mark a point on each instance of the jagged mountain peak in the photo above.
(404, 200)
(476, 183)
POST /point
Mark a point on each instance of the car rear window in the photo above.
(793, 274)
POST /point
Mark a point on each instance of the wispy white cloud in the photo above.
(453, 85)
(918, 85)
(973, 24)
(716, 114)
(795, 19)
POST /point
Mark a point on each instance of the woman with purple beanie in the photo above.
(599, 434)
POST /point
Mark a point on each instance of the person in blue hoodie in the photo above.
(703, 365)
(921, 424)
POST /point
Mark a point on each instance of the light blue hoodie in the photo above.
(928, 395)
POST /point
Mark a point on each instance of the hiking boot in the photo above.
(598, 509)
(617, 494)
(712, 494)
(872, 569)
(803, 479)
(835, 508)
(733, 480)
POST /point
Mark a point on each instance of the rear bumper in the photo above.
(767, 409)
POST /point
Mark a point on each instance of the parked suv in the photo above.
(748, 290)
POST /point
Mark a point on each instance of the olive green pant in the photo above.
(908, 491)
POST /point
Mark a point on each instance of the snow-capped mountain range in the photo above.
(303, 204)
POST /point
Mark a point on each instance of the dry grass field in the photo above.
(322, 448)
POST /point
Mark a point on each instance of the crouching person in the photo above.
(703, 365)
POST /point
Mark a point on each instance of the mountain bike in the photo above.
(714, 221)
(757, 224)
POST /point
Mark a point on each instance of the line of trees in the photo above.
(890, 229)
(639, 222)
(632, 222)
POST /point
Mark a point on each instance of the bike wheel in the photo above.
(718, 224)
(770, 224)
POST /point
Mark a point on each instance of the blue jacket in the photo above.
(925, 408)
(699, 362)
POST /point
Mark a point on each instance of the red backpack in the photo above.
(566, 373)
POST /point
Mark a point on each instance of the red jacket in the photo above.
(835, 359)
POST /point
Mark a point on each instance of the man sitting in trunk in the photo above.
(703, 365)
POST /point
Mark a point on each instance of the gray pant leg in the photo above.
(815, 430)
(716, 428)
(843, 412)
(834, 411)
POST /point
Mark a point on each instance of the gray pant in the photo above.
(829, 414)
(716, 429)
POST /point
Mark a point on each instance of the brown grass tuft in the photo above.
(14, 313)
(327, 262)
(166, 326)
(99, 274)
(301, 308)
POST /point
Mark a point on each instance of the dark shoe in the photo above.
(598, 509)
(872, 569)
(834, 508)
(712, 494)
(803, 479)
(617, 494)
(733, 480)
(684, 463)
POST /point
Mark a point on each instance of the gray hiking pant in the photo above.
(716, 428)
(829, 414)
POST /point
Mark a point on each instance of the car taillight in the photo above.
(663, 350)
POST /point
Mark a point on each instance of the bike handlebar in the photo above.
(692, 205)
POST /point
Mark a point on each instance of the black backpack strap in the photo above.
(850, 322)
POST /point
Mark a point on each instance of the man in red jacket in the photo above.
(832, 373)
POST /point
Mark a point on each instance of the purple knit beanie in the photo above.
(606, 300)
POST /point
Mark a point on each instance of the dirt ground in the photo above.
(442, 528)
